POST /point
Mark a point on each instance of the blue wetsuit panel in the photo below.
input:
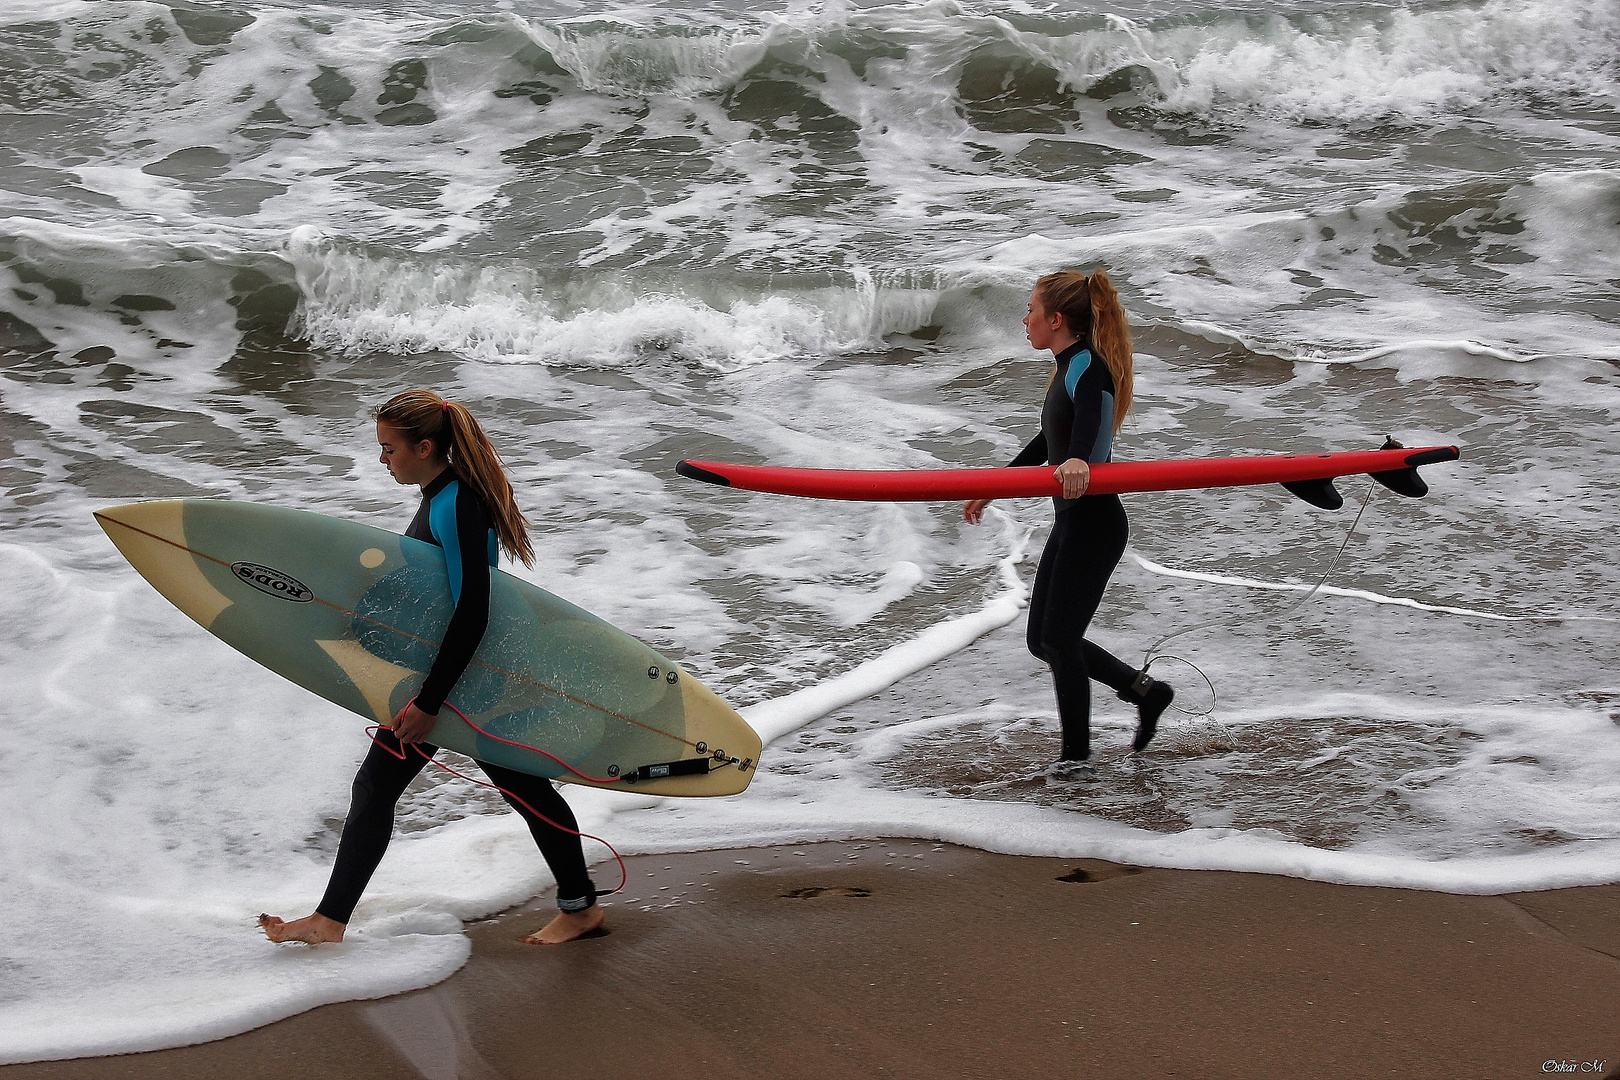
(1078, 364)
(1103, 449)
(447, 533)
(452, 517)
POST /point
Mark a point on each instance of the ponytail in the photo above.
(1111, 339)
(1091, 308)
(456, 433)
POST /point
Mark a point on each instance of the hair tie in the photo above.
(444, 408)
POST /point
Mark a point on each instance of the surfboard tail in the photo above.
(1403, 481)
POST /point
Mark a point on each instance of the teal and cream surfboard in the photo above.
(356, 613)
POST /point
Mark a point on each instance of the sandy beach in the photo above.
(914, 959)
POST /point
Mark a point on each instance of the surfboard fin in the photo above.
(1407, 481)
(1316, 492)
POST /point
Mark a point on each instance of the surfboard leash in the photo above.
(624, 873)
(526, 746)
(1153, 653)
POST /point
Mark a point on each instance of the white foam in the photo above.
(781, 817)
(1221, 268)
(778, 717)
(153, 1009)
(849, 608)
(1359, 594)
(1572, 222)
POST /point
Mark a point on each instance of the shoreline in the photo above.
(911, 958)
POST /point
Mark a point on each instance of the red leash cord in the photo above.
(526, 746)
(624, 874)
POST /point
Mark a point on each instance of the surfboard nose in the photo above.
(163, 522)
(152, 536)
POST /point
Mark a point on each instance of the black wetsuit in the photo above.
(452, 518)
(1087, 540)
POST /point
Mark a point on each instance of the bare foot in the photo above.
(314, 930)
(567, 926)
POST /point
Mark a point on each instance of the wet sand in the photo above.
(912, 959)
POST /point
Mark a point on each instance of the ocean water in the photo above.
(803, 234)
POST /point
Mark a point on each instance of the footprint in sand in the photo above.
(1097, 870)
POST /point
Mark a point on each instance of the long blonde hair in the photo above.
(1090, 307)
(455, 433)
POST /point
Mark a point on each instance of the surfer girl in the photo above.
(1078, 317)
(468, 510)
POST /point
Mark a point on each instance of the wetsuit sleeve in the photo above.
(1090, 391)
(466, 547)
(1033, 454)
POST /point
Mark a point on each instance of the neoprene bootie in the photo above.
(1151, 697)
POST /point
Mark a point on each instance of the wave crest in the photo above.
(1405, 63)
(615, 59)
(358, 299)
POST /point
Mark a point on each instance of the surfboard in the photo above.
(1308, 476)
(355, 614)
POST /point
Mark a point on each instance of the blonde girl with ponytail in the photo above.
(468, 510)
(459, 442)
(1079, 318)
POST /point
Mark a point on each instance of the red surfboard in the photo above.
(1310, 476)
